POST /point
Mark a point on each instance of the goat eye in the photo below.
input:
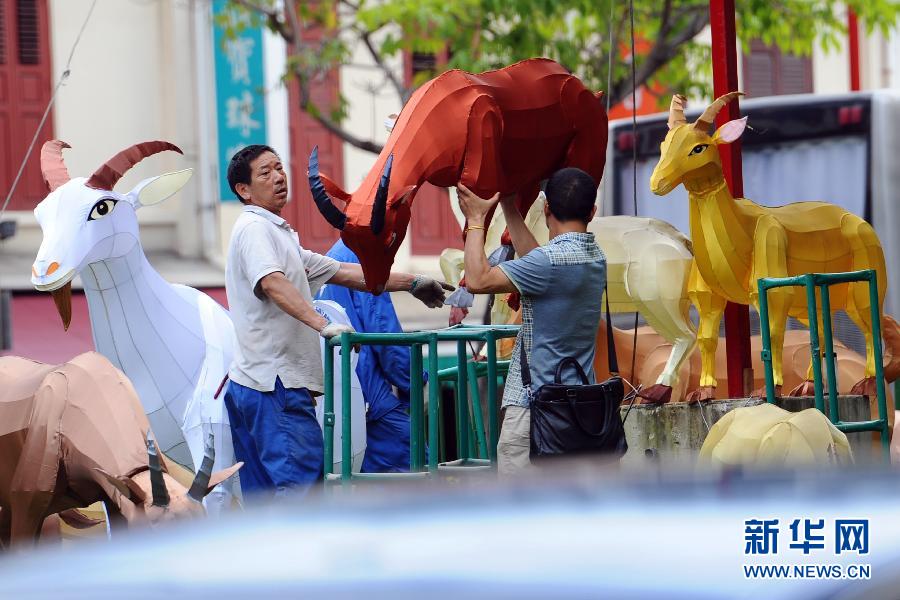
(102, 208)
(698, 149)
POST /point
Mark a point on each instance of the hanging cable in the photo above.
(633, 159)
(610, 52)
(62, 78)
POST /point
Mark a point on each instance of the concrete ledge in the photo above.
(676, 431)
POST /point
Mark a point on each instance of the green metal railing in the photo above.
(461, 334)
(471, 443)
(823, 281)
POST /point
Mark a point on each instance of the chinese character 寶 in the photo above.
(238, 52)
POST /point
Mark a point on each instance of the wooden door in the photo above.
(24, 93)
(433, 226)
(306, 133)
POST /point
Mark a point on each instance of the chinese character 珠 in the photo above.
(851, 535)
(809, 540)
(240, 114)
(761, 536)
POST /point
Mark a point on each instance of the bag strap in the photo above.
(611, 357)
(610, 353)
(577, 366)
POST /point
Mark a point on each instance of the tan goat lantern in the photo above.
(74, 434)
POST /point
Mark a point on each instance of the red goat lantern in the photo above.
(499, 131)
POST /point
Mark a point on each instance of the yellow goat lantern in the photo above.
(736, 242)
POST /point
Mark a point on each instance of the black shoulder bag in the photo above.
(577, 419)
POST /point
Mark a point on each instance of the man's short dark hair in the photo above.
(239, 167)
(571, 194)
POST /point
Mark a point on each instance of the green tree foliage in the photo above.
(485, 34)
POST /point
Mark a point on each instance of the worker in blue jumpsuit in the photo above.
(378, 368)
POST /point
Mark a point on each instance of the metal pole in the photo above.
(766, 334)
(346, 448)
(416, 404)
(476, 411)
(328, 409)
(725, 79)
(493, 401)
(814, 349)
(853, 49)
(830, 367)
(434, 396)
(875, 307)
(462, 402)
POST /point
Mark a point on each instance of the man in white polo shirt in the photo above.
(277, 370)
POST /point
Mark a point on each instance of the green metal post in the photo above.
(470, 434)
(346, 421)
(462, 402)
(328, 409)
(823, 280)
(434, 395)
(766, 334)
(875, 306)
(830, 366)
(476, 410)
(493, 401)
(814, 349)
(416, 405)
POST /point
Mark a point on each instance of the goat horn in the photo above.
(106, 177)
(157, 483)
(709, 115)
(676, 111)
(201, 480)
(53, 168)
(332, 213)
(380, 205)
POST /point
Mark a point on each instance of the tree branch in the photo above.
(290, 10)
(333, 127)
(271, 15)
(401, 90)
(663, 50)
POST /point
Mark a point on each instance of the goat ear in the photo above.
(730, 131)
(220, 476)
(156, 189)
(125, 486)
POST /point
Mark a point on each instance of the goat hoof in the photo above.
(761, 392)
(866, 387)
(703, 394)
(807, 388)
(656, 394)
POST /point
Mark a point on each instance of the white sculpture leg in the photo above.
(657, 283)
(204, 412)
(357, 400)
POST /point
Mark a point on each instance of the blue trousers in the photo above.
(277, 437)
(387, 443)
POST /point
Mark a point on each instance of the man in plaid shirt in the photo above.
(560, 284)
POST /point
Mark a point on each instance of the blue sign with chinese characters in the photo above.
(240, 86)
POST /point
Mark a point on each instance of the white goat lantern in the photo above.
(173, 342)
